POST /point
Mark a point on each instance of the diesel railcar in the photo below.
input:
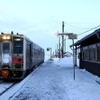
(18, 56)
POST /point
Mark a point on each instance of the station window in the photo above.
(92, 52)
(98, 52)
(85, 54)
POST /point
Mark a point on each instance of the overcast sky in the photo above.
(40, 20)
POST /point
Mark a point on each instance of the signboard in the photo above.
(65, 34)
(72, 36)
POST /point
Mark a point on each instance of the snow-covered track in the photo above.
(98, 81)
(15, 88)
(5, 86)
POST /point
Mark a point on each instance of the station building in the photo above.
(89, 56)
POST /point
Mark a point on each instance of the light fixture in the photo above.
(6, 37)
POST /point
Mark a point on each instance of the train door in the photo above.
(6, 53)
(18, 53)
(29, 55)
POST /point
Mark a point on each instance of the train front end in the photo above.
(11, 56)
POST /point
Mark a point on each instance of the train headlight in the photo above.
(6, 37)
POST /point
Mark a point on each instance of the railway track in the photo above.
(98, 81)
(10, 89)
(5, 86)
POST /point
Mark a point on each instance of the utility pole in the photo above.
(63, 39)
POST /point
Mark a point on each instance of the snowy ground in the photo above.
(54, 81)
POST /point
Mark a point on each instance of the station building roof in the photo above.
(95, 35)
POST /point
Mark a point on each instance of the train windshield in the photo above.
(18, 45)
(6, 48)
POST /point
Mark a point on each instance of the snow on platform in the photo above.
(54, 81)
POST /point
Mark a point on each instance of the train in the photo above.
(18, 56)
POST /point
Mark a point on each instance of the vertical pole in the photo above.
(73, 61)
(57, 51)
(59, 47)
(50, 52)
(62, 39)
(65, 44)
(76, 56)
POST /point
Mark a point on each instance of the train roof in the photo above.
(19, 35)
(12, 34)
(16, 35)
(96, 32)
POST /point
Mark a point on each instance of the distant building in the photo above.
(68, 54)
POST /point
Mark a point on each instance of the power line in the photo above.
(83, 28)
(89, 30)
(76, 26)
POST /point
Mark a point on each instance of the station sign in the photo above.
(72, 36)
